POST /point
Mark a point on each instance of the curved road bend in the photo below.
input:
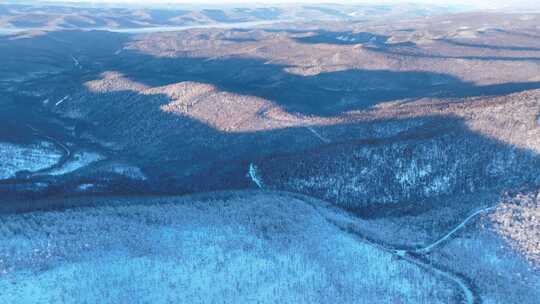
(65, 149)
(468, 295)
(428, 248)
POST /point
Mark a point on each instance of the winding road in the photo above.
(414, 256)
(65, 149)
(428, 248)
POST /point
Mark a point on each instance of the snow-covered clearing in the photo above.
(78, 161)
(34, 157)
(249, 248)
(126, 170)
(84, 187)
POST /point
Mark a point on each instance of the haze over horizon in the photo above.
(483, 4)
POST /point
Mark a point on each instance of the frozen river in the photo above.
(154, 29)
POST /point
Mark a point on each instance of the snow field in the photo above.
(256, 248)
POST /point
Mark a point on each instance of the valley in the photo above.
(392, 162)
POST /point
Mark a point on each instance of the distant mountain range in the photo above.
(17, 15)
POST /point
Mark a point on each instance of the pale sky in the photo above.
(492, 4)
(470, 2)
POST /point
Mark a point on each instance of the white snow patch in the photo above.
(41, 185)
(61, 100)
(401, 253)
(438, 184)
(412, 172)
(254, 175)
(84, 187)
(34, 157)
(126, 170)
(78, 161)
